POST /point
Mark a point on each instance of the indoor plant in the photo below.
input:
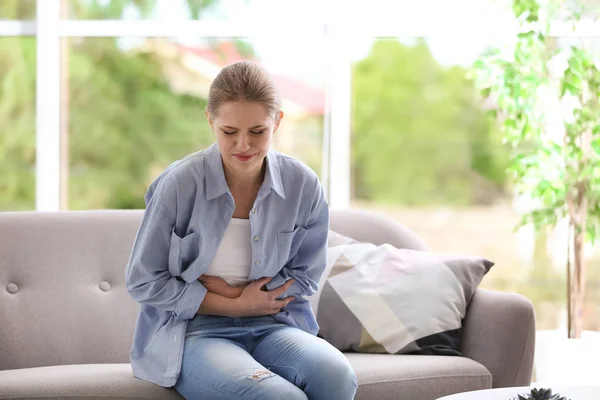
(559, 173)
(540, 394)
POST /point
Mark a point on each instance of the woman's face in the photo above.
(243, 131)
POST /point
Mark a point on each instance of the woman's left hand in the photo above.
(217, 285)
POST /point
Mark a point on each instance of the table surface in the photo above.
(570, 392)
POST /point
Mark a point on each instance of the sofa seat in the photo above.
(387, 377)
(80, 382)
(380, 377)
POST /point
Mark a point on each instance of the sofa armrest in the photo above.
(499, 333)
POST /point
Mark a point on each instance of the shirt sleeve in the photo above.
(147, 275)
(307, 267)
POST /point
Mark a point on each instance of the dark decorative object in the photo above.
(540, 394)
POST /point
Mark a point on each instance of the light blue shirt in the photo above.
(188, 208)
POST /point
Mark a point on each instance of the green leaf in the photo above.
(543, 217)
(527, 35)
(196, 7)
(480, 64)
(595, 144)
(571, 87)
(582, 55)
(524, 221)
(588, 171)
(556, 147)
(492, 113)
(510, 124)
(576, 65)
(591, 235)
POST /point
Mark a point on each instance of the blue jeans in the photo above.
(257, 358)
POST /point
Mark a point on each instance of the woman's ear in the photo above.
(278, 120)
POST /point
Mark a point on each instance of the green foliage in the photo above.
(17, 9)
(197, 6)
(419, 134)
(17, 123)
(125, 124)
(115, 9)
(554, 172)
(555, 161)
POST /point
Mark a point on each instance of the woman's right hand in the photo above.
(256, 302)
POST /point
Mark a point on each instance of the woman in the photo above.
(232, 240)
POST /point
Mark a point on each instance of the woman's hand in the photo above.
(217, 285)
(254, 301)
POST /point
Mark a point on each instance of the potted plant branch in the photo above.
(554, 165)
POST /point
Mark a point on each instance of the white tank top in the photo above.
(234, 255)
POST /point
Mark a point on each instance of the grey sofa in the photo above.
(66, 320)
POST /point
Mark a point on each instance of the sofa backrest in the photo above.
(62, 282)
(372, 227)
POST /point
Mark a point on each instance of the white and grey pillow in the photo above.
(381, 299)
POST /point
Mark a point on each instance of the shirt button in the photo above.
(256, 262)
(254, 210)
(256, 238)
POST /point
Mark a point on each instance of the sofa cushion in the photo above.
(380, 377)
(80, 382)
(385, 376)
(381, 299)
(333, 239)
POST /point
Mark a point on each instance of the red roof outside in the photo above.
(312, 99)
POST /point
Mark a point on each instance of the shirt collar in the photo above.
(216, 185)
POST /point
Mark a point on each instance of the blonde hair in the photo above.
(245, 81)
